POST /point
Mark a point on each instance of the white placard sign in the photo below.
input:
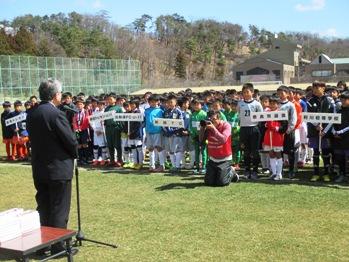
(135, 117)
(168, 122)
(196, 124)
(269, 116)
(323, 118)
(102, 116)
(15, 119)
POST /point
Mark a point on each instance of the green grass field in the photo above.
(175, 218)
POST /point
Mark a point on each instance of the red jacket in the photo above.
(272, 132)
(219, 141)
(81, 120)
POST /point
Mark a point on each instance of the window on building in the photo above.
(322, 73)
(320, 59)
(277, 74)
(238, 75)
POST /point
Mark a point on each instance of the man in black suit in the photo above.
(54, 147)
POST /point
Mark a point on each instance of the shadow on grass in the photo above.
(287, 181)
(302, 178)
(180, 186)
(17, 162)
(191, 178)
(121, 172)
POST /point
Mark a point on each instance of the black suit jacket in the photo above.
(54, 145)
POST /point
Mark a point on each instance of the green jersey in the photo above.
(195, 119)
(111, 122)
(233, 119)
(222, 116)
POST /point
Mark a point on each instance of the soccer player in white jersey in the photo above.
(249, 133)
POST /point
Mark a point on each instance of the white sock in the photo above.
(156, 157)
(182, 159)
(310, 153)
(104, 153)
(108, 153)
(273, 165)
(178, 157)
(173, 159)
(140, 155)
(264, 160)
(162, 158)
(135, 155)
(95, 154)
(279, 164)
(130, 155)
(192, 158)
(126, 156)
(151, 159)
(302, 154)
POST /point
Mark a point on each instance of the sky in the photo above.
(328, 18)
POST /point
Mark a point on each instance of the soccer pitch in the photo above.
(156, 217)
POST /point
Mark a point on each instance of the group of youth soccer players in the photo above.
(278, 147)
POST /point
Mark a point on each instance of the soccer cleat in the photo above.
(277, 178)
(118, 164)
(102, 163)
(168, 165)
(138, 166)
(265, 171)
(272, 177)
(127, 165)
(315, 178)
(95, 163)
(203, 171)
(326, 178)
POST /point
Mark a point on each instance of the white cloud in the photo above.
(330, 32)
(97, 4)
(314, 5)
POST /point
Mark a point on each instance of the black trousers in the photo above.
(113, 136)
(218, 173)
(250, 137)
(290, 149)
(53, 198)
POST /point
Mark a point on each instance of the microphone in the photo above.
(68, 108)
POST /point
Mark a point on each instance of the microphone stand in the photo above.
(80, 237)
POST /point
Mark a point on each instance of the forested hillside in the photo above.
(172, 50)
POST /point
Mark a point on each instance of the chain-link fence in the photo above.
(20, 76)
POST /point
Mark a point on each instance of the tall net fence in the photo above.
(20, 76)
